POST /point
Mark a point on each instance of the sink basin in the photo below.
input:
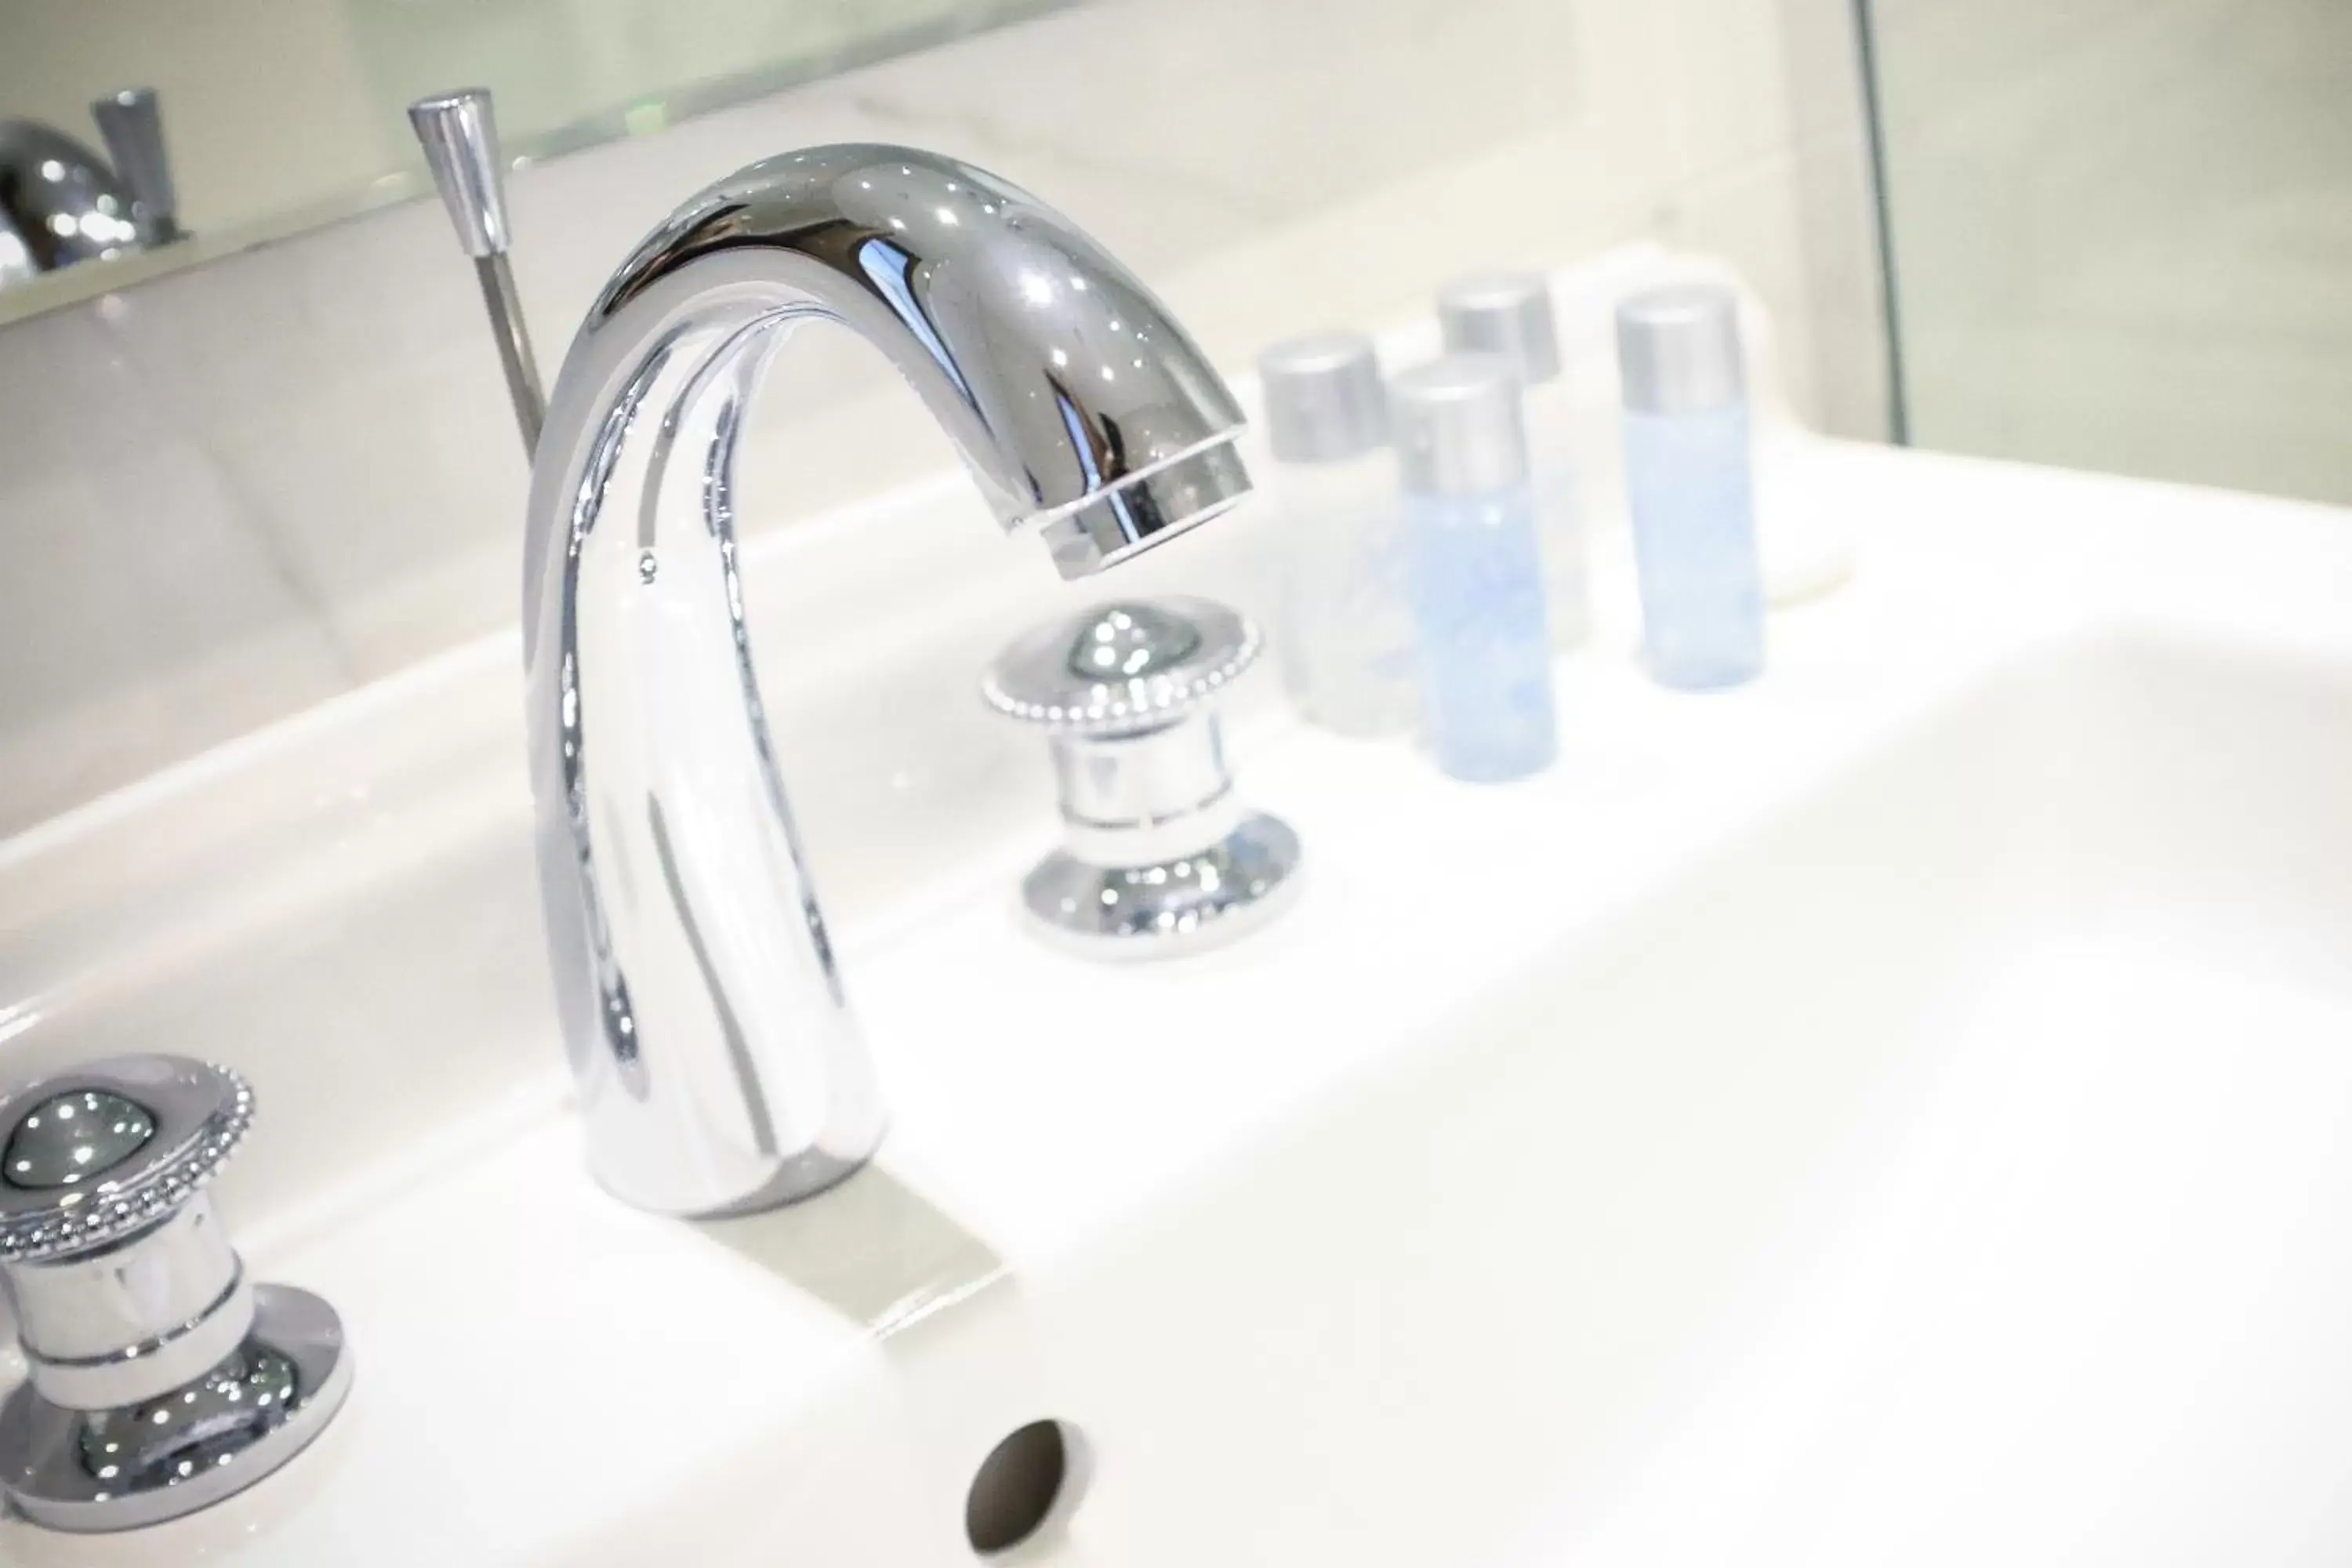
(2051, 1197)
(1952, 1170)
(1942, 1160)
(1898, 1111)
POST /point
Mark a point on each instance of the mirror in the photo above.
(137, 135)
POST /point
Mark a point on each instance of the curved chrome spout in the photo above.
(719, 1068)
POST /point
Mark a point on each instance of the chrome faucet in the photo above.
(61, 204)
(719, 1066)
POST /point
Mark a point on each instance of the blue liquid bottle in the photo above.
(1687, 487)
(1477, 573)
(1510, 314)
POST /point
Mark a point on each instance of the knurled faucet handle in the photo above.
(459, 131)
(131, 121)
(1158, 855)
(160, 1378)
(90, 1156)
(1121, 668)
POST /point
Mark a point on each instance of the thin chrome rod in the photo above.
(460, 137)
(505, 307)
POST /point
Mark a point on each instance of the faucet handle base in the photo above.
(1183, 905)
(239, 1421)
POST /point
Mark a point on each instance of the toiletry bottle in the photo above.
(1346, 636)
(1477, 576)
(1510, 314)
(1687, 487)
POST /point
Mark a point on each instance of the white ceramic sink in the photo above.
(1900, 1111)
(1991, 1149)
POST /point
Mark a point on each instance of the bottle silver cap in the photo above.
(1678, 349)
(1457, 429)
(1504, 313)
(1324, 402)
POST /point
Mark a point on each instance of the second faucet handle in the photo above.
(160, 1379)
(1158, 855)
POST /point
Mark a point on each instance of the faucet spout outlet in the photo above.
(719, 1068)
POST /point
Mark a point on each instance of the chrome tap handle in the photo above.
(459, 132)
(133, 123)
(1158, 855)
(146, 1344)
(94, 1157)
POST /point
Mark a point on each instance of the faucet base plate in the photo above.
(210, 1438)
(1178, 906)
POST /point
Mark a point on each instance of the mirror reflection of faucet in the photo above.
(61, 204)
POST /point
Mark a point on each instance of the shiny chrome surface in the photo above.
(153, 1363)
(133, 1320)
(1181, 905)
(459, 132)
(131, 121)
(60, 201)
(61, 204)
(719, 1068)
(155, 1459)
(74, 1137)
(1117, 668)
(1157, 855)
(196, 1114)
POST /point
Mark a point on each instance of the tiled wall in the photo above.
(2123, 233)
(234, 491)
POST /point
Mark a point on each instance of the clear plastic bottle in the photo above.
(1509, 314)
(1477, 573)
(1346, 637)
(1687, 486)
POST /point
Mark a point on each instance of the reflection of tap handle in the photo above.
(460, 135)
(132, 125)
